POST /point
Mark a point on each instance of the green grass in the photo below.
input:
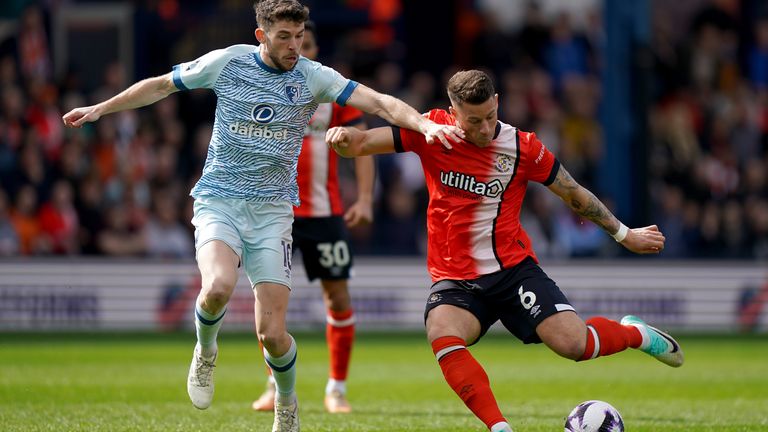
(126, 382)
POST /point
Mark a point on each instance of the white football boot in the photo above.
(200, 379)
(286, 417)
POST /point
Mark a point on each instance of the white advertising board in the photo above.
(388, 294)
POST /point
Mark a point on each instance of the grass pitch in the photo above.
(128, 382)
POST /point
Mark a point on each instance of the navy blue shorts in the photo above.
(324, 246)
(520, 297)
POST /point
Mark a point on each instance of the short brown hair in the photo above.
(269, 12)
(472, 86)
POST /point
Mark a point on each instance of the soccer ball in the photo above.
(594, 416)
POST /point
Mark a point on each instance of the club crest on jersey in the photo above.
(262, 113)
(293, 91)
(503, 162)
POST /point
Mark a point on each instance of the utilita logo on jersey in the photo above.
(468, 183)
(262, 114)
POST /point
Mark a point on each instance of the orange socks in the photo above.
(470, 382)
(340, 333)
(467, 378)
(606, 337)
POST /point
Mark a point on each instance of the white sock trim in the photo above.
(340, 323)
(336, 385)
(209, 316)
(286, 399)
(447, 350)
(597, 341)
(644, 333)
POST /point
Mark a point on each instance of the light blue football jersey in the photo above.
(261, 116)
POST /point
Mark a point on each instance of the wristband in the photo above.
(621, 234)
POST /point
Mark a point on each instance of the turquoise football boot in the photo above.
(657, 343)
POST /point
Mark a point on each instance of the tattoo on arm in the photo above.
(584, 202)
(564, 181)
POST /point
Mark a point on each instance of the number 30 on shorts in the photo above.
(333, 254)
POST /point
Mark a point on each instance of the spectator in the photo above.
(26, 223)
(119, 237)
(12, 118)
(758, 55)
(9, 240)
(166, 236)
(757, 220)
(671, 220)
(34, 56)
(89, 209)
(399, 231)
(567, 54)
(59, 221)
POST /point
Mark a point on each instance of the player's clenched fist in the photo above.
(645, 240)
(344, 141)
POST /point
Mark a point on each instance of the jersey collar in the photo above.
(498, 130)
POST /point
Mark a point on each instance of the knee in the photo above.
(570, 347)
(216, 292)
(271, 338)
(575, 349)
(447, 320)
(271, 334)
(565, 334)
(437, 328)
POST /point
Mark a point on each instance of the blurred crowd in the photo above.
(119, 187)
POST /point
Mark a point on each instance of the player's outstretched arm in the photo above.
(350, 142)
(646, 240)
(401, 114)
(142, 93)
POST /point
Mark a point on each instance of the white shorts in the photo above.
(258, 232)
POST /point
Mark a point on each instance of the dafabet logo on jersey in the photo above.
(469, 183)
(261, 114)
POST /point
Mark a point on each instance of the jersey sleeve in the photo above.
(204, 71)
(541, 164)
(346, 116)
(325, 83)
(407, 140)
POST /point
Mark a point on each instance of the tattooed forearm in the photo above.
(583, 202)
(595, 211)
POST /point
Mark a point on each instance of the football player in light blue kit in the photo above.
(242, 210)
